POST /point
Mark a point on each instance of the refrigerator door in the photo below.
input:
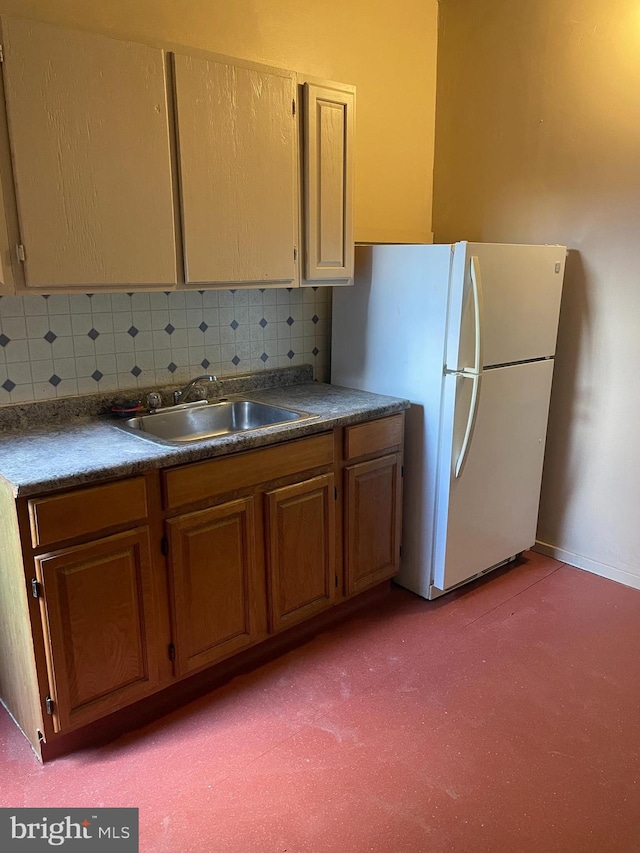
(520, 289)
(489, 512)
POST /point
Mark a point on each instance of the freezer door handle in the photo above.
(471, 422)
(478, 305)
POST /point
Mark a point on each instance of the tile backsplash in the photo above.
(59, 345)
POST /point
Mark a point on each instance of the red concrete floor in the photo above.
(504, 717)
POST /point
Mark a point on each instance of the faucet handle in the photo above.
(154, 400)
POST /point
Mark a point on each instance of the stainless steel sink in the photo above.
(193, 422)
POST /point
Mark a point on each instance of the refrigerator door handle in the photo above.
(478, 305)
(471, 423)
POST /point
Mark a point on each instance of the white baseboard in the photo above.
(593, 566)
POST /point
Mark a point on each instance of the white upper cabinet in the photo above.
(89, 135)
(328, 128)
(236, 139)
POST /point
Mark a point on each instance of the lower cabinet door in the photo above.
(373, 502)
(300, 533)
(212, 575)
(98, 623)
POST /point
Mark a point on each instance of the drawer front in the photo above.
(201, 480)
(87, 511)
(374, 436)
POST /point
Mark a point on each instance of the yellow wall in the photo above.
(538, 140)
(387, 49)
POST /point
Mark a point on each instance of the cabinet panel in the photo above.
(373, 507)
(201, 480)
(83, 511)
(236, 140)
(374, 436)
(213, 566)
(92, 167)
(300, 548)
(98, 618)
(328, 183)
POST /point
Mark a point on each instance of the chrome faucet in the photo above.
(180, 397)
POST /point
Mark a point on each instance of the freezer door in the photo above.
(519, 289)
(489, 512)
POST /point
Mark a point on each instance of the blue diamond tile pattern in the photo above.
(136, 370)
(96, 375)
(93, 334)
(290, 321)
(205, 363)
(203, 326)
(234, 324)
(169, 329)
(170, 367)
(264, 356)
(291, 353)
(263, 322)
(315, 318)
(8, 385)
(132, 331)
(50, 337)
(55, 380)
(315, 350)
(235, 360)
(4, 340)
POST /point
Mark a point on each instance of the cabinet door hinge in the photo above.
(36, 588)
(20, 252)
(295, 253)
(1, 53)
(400, 551)
(48, 704)
(164, 546)
(336, 581)
(402, 470)
(293, 107)
(172, 652)
(335, 493)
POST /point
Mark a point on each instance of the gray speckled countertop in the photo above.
(88, 447)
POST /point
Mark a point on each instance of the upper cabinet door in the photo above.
(328, 183)
(237, 161)
(92, 164)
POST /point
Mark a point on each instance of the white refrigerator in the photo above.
(467, 332)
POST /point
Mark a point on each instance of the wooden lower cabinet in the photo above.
(112, 592)
(373, 495)
(300, 532)
(99, 632)
(213, 565)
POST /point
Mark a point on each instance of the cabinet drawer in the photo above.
(85, 511)
(373, 437)
(202, 480)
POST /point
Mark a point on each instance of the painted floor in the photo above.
(502, 717)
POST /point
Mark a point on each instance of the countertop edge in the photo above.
(151, 456)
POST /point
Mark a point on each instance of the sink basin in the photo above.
(210, 420)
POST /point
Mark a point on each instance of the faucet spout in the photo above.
(181, 396)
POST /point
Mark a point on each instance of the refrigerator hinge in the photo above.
(48, 705)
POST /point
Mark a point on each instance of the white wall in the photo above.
(538, 140)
